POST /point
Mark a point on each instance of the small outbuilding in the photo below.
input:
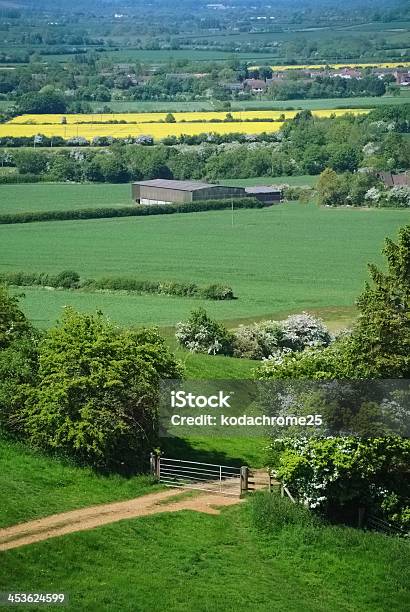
(266, 194)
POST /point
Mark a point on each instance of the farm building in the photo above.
(394, 180)
(161, 191)
(264, 193)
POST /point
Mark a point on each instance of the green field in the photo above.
(284, 258)
(202, 105)
(55, 196)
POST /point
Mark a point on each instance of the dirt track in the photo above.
(96, 516)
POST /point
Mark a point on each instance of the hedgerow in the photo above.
(69, 279)
(139, 210)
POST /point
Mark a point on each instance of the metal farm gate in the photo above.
(212, 477)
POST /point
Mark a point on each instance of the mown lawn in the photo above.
(192, 562)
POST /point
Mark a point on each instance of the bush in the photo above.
(270, 513)
(304, 330)
(218, 292)
(97, 394)
(276, 338)
(258, 341)
(16, 179)
(337, 475)
(200, 334)
(68, 279)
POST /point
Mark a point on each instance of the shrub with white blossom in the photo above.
(398, 197)
(259, 340)
(201, 334)
(338, 475)
(302, 331)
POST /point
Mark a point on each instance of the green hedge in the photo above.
(137, 210)
(14, 179)
(69, 279)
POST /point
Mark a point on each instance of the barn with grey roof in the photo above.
(164, 191)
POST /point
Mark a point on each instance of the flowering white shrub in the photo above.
(200, 334)
(276, 339)
(399, 196)
(259, 340)
(373, 196)
(304, 330)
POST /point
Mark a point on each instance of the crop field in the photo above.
(188, 117)
(285, 258)
(157, 131)
(153, 124)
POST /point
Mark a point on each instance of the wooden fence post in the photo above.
(244, 479)
(152, 464)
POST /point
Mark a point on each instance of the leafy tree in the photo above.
(13, 322)
(343, 158)
(18, 362)
(332, 189)
(31, 162)
(170, 118)
(97, 394)
(380, 343)
(42, 103)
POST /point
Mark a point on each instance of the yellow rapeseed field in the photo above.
(281, 68)
(156, 130)
(179, 117)
(153, 124)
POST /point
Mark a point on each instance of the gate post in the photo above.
(244, 479)
(152, 466)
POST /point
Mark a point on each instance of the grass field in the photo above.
(284, 258)
(189, 561)
(237, 105)
(55, 196)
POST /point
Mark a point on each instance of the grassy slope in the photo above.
(37, 485)
(285, 258)
(189, 561)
